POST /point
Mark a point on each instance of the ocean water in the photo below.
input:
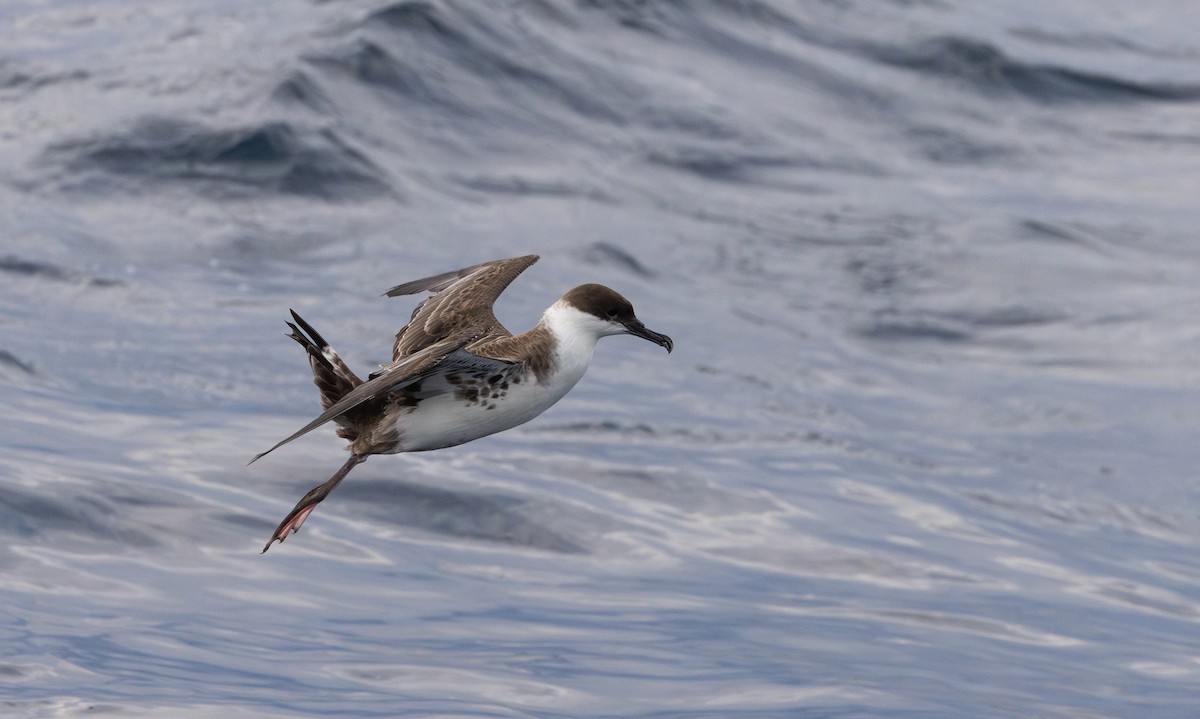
(926, 446)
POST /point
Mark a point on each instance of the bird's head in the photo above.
(603, 312)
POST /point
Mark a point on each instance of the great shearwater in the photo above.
(456, 374)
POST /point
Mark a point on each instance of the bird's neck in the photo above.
(572, 337)
(558, 349)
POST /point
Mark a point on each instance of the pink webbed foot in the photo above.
(290, 525)
(295, 518)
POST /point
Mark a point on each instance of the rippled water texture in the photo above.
(926, 446)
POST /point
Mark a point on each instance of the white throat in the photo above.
(575, 335)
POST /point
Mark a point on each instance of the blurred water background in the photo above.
(926, 446)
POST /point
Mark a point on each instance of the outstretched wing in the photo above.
(460, 308)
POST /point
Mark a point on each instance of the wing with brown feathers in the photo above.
(460, 308)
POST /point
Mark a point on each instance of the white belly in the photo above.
(453, 413)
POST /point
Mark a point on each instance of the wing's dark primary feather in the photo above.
(461, 306)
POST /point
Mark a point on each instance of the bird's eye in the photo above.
(613, 313)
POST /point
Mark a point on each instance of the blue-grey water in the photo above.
(927, 446)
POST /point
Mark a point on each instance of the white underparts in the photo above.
(448, 414)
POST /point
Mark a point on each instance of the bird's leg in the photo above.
(309, 502)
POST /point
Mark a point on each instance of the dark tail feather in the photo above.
(314, 352)
(317, 339)
(330, 374)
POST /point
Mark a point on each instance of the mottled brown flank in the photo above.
(476, 389)
(534, 349)
(407, 397)
(600, 301)
(384, 434)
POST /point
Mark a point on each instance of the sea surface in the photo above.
(926, 448)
